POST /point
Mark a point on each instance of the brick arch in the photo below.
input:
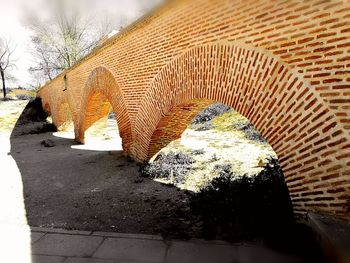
(312, 146)
(101, 91)
(63, 115)
(60, 110)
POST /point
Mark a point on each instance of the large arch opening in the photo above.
(214, 137)
(288, 113)
(174, 123)
(233, 175)
(103, 106)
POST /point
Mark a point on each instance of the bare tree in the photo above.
(62, 40)
(6, 61)
(68, 33)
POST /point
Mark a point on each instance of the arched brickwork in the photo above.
(291, 116)
(174, 123)
(57, 104)
(101, 92)
(47, 103)
(64, 116)
(283, 64)
(60, 110)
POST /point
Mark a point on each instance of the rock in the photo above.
(198, 151)
(48, 143)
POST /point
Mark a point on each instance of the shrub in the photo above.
(33, 120)
(172, 166)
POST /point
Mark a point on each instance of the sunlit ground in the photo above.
(103, 135)
(220, 146)
(15, 233)
(9, 113)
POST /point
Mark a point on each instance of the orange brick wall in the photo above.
(174, 123)
(285, 65)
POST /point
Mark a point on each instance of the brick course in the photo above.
(285, 65)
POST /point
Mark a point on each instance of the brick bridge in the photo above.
(285, 65)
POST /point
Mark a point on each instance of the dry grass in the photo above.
(221, 146)
(10, 110)
(13, 93)
(9, 114)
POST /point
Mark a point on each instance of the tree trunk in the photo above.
(3, 83)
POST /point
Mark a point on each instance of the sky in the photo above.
(13, 14)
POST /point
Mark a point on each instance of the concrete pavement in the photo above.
(62, 246)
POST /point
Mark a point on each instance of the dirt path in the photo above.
(92, 190)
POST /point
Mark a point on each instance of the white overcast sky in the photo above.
(14, 12)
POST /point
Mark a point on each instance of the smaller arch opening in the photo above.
(64, 122)
(47, 110)
(65, 119)
(100, 126)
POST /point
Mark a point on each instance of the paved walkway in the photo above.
(58, 246)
